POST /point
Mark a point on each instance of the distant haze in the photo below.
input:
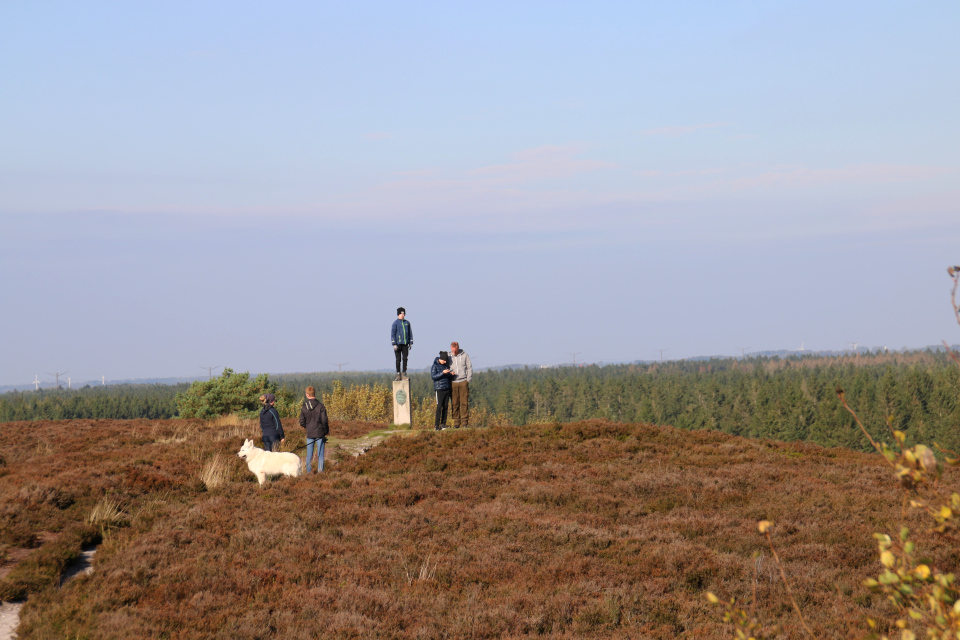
(184, 186)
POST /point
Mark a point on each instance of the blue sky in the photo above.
(187, 184)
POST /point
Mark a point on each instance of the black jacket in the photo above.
(441, 380)
(313, 418)
(270, 424)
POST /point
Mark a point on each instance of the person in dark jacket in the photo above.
(442, 376)
(313, 418)
(401, 337)
(270, 425)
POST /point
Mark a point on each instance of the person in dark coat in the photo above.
(313, 418)
(442, 376)
(401, 337)
(270, 425)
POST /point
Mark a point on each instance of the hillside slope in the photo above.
(585, 530)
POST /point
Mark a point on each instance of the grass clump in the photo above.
(216, 472)
(106, 513)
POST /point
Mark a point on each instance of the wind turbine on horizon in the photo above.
(36, 382)
(801, 346)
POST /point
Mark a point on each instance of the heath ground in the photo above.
(583, 530)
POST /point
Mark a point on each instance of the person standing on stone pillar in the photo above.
(463, 370)
(401, 337)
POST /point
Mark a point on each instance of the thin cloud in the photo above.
(860, 173)
(420, 173)
(500, 190)
(654, 173)
(681, 130)
(539, 163)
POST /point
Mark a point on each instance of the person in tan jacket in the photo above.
(462, 369)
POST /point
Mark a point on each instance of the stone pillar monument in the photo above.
(401, 402)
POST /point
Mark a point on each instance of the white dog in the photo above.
(269, 463)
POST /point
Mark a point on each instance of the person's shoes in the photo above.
(398, 378)
(405, 376)
(437, 429)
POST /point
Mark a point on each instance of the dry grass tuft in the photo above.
(179, 435)
(234, 426)
(216, 472)
(232, 420)
(106, 513)
(425, 572)
(42, 448)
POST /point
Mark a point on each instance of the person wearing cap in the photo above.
(313, 418)
(270, 425)
(460, 388)
(442, 377)
(401, 337)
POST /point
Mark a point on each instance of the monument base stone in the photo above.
(401, 402)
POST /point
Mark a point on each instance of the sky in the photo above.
(260, 186)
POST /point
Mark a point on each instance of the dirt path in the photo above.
(363, 444)
(9, 619)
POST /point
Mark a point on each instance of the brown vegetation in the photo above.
(587, 530)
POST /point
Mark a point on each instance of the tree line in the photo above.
(780, 398)
(151, 401)
(791, 398)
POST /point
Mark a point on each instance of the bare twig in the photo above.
(951, 353)
(765, 530)
(843, 401)
(954, 273)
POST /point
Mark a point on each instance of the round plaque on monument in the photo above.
(401, 397)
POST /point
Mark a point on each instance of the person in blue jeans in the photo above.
(270, 425)
(313, 418)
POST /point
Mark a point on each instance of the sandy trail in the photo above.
(365, 443)
(9, 619)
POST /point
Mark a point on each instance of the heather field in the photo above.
(582, 530)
